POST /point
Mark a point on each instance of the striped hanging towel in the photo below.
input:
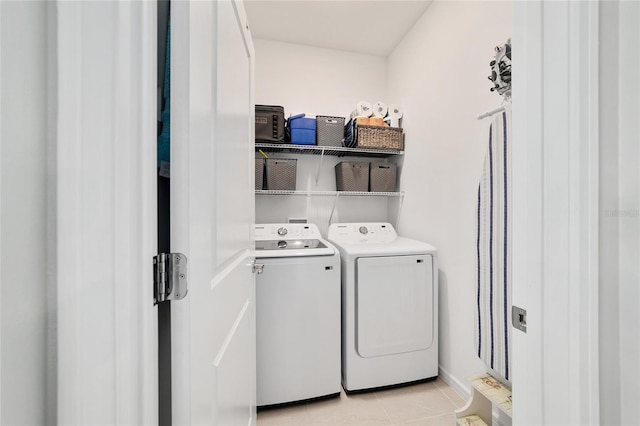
(493, 333)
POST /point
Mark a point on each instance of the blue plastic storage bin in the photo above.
(303, 130)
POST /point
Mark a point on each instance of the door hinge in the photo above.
(519, 318)
(169, 277)
(257, 268)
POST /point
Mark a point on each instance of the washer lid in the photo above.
(292, 248)
(379, 239)
(289, 244)
(290, 240)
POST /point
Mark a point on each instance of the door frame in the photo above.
(555, 167)
(0, 210)
(105, 194)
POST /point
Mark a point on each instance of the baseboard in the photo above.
(461, 388)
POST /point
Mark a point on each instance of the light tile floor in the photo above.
(427, 404)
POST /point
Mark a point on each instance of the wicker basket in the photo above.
(376, 137)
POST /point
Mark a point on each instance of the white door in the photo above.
(94, 123)
(212, 213)
(555, 210)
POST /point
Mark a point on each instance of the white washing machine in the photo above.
(389, 306)
(297, 314)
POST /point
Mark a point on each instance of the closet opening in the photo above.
(164, 234)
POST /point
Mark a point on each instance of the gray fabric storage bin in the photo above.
(352, 176)
(259, 172)
(281, 174)
(329, 130)
(382, 177)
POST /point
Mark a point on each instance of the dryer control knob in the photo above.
(282, 231)
(363, 230)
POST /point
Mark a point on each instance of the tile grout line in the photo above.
(447, 396)
(391, 422)
(423, 418)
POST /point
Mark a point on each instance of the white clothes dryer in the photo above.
(389, 306)
(297, 314)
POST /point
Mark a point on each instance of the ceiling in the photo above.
(373, 27)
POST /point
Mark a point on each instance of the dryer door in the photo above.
(394, 300)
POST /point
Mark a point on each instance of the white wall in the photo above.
(620, 213)
(438, 73)
(316, 81)
(323, 82)
(23, 214)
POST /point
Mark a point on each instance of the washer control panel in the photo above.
(287, 231)
(366, 233)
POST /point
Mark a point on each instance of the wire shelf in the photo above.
(331, 193)
(327, 150)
